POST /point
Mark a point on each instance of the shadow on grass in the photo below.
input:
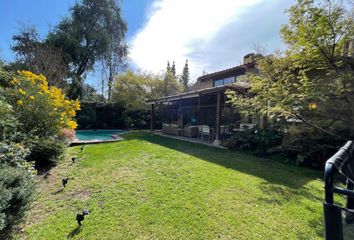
(58, 191)
(283, 182)
(284, 194)
(271, 171)
(74, 232)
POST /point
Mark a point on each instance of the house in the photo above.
(203, 109)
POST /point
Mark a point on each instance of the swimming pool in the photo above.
(95, 135)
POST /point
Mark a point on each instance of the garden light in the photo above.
(81, 216)
(65, 181)
(312, 105)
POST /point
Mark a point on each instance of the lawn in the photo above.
(151, 187)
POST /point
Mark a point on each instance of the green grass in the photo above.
(151, 187)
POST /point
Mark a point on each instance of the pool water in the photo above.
(88, 135)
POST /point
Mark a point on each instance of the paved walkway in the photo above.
(187, 139)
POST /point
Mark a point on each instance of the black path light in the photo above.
(342, 162)
(73, 159)
(82, 147)
(65, 181)
(46, 175)
(81, 216)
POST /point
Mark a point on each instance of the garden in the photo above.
(263, 183)
(148, 187)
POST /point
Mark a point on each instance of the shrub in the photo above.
(14, 155)
(45, 152)
(262, 141)
(305, 146)
(16, 194)
(242, 140)
(41, 110)
(97, 116)
(67, 134)
(86, 117)
(137, 118)
(8, 122)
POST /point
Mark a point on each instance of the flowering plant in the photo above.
(41, 109)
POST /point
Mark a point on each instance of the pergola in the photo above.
(198, 94)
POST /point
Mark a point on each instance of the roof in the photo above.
(227, 71)
(196, 93)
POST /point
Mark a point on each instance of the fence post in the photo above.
(332, 214)
(349, 217)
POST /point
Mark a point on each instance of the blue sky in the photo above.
(211, 34)
(45, 14)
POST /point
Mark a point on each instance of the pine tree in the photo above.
(173, 69)
(185, 76)
(170, 84)
(168, 69)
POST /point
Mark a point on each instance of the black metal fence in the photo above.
(342, 162)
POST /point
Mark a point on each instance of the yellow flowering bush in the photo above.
(41, 108)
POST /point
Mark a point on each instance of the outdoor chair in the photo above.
(342, 162)
(190, 131)
(170, 129)
(205, 131)
(224, 132)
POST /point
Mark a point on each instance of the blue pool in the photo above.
(91, 135)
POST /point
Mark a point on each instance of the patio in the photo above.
(187, 139)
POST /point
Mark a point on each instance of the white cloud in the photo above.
(211, 34)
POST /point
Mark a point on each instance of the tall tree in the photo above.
(40, 57)
(113, 62)
(170, 85)
(173, 69)
(132, 90)
(313, 80)
(87, 36)
(185, 76)
(168, 68)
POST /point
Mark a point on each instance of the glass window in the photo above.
(218, 82)
(224, 81)
(229, 80)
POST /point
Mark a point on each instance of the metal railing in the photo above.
(342, 162)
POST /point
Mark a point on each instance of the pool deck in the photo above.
(76, 142)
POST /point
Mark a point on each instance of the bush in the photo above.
(45, 152)
(14, 155)
(99, 116)
(137, 118)
(86, 117)
(67, 134)
(40, 109)
(16, 195)
(242, 140)
(308, 147)
(262, 141)
(8, 122)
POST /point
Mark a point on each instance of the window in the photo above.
(224, 81)
(229, 80)
(218, 82)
